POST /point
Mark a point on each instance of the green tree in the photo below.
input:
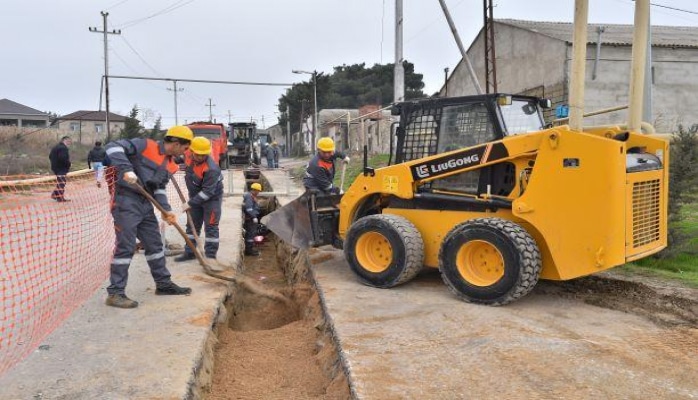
(683, 182)
(132, 126)
(157, 127)
(349, 86)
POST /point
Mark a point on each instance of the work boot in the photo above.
(172, 288)
(120, 301)
(185, 257)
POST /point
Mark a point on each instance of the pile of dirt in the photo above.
(665, 308)
(272, 349)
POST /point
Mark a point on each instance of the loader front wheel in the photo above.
(384, 250)
(489, 261)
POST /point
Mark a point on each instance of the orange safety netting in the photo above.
(53, 255)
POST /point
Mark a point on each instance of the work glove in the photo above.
(346, 160)
(255, 220)
(169, 217)
(186, 207)
(130, 177)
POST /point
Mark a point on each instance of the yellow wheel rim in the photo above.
(373, 252)
(480, 263)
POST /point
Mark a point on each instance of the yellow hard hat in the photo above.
(200, 145)
(256, 186)
(274, 143)
(325, 144)
(182, 132)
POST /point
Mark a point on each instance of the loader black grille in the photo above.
(646, 212)
(421, 138)
(434, 128)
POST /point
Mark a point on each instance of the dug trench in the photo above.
(263, 348)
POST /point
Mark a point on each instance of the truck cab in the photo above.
(218, 136)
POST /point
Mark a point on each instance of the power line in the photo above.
(117, 4)
(674, 8)
(164, 11)
(139, 56)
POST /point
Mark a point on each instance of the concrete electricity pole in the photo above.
(399, 69)
(230, 117)
(175, 90)
(106, 63)
(210, 110)
(288, 131)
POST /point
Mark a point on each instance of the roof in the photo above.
(84, 115)
(620, 35)
(14, 108)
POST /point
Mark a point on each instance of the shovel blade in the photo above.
(291, 223)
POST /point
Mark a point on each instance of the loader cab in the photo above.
(440, 125)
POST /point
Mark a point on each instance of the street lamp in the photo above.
(315, 115)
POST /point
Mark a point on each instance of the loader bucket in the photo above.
(291, 223)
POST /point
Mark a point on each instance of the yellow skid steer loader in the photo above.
(479, 188)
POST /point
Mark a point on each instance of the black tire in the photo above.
(224, 163)
(513, 256)
(401, 264)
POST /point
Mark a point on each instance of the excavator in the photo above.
(482, 189)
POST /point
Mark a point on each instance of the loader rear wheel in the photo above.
(489, 261)
(384, 250)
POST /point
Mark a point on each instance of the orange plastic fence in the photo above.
(53, 254)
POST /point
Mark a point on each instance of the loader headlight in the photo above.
(504, 100)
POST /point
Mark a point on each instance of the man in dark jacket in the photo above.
(319, 174)
(205, 185)
(95, 161)
(60, 165)
(250, 209)
(148, 163)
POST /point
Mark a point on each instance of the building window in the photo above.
(99, 128)
(74, 126)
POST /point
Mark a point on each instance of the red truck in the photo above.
(219, 140)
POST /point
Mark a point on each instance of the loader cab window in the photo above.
(465, 125)
(521, 116)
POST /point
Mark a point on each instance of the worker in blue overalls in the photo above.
(205, 185)
(148, 163)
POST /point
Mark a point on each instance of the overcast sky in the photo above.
(51, 62)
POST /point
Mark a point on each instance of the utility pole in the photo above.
(490, 57)
(288, 131)
(106, 64)
(399, 69)
(463, 53)
(175, 90)
(210, 106)
(263, 126)
(230, 117)
(300, 130)
(315, 111)
(647, 92)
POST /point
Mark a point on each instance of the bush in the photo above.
(24, 151)
(683, 183)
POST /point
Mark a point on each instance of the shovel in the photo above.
(341, 179)
(190, 221)
(249, 284)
